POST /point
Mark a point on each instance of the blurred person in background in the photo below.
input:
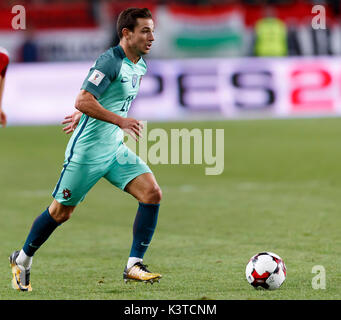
(29, 49)
(270, 35)
(4, 61)
(294, 46)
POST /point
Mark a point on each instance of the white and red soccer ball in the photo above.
(266, 270)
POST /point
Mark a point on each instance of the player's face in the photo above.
(143, 36)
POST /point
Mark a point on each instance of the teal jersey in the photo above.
(114, 80)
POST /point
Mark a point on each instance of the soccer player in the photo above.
(4, 61)
(96, 150)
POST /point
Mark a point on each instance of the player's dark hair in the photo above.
(128, 19)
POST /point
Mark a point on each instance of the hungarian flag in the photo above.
(215, 30)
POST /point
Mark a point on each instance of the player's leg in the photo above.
(42, 227)
(132, 175)
(75, 181)
(146, 190)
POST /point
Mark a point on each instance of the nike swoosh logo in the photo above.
(33, 246)
(124, 80)
(144, 244)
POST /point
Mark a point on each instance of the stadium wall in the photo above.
(187, 89)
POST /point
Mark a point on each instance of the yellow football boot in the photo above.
(139, 272)
(21, 277)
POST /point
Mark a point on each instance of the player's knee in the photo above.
(64, 216)
(61, 213)
(152, 195)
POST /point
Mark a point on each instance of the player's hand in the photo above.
(72, 121)
(3, 119)
(132, 126)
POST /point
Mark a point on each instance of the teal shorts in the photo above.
(77, 179)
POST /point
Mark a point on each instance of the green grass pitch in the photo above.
(280, 192)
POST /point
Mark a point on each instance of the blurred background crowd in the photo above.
(74, 30)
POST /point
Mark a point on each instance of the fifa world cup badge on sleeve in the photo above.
(96, 77)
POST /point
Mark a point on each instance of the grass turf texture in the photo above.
(279, 192)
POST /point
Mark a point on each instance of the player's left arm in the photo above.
(72, 121)
(3, 119)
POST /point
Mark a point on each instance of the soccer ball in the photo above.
(266, 270)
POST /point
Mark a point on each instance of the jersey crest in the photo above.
(134, 81)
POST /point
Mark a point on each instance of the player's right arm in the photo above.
(88, 104)
(101, 74)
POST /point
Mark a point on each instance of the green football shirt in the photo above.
(114, 80)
